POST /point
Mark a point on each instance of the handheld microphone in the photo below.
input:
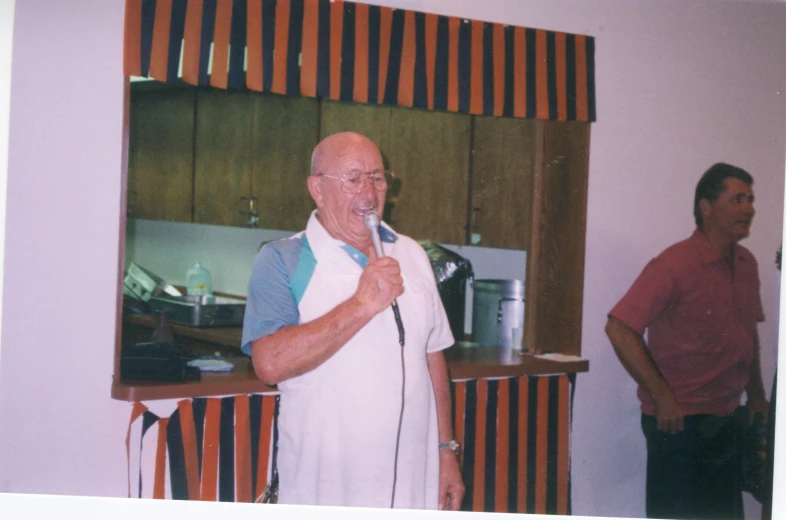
(372, 224)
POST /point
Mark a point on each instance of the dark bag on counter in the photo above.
(157, 362)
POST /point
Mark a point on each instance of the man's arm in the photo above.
(632, 353)
(451, 487)
(757, 398)
(297, 349)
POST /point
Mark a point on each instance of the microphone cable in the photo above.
(372, 222)
(400, 421)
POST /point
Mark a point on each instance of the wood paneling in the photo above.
(503, 163)
(160, 158)
(223, 159)
(555, 263)
(429, 153)
(285, 132)
(373, 121)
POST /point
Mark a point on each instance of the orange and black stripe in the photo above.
(243, 481)
(514, 434)
(210, 442)
(364, 53)
(441, 65)
(159, 477)
(347, 55)
(237, 45)
(279, 84)
(516, 444)
(394, 58)
(361, 57)
(132, 44)
(192, 33)
(374, 38)
(206, 32)
(268, 38)
(309, 46)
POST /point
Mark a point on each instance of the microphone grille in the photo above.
(371, 220)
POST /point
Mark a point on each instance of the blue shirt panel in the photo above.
(278, 281)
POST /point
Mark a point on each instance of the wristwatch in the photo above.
(450, 445)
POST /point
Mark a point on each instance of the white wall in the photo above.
(680, 85)
(59, 430)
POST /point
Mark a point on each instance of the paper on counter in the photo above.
(556, 356)
(211, 365)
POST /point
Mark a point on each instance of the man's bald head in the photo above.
(341, 209)
(338, 145)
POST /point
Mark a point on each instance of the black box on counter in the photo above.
(157, 362)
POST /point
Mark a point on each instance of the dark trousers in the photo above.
(695, 473)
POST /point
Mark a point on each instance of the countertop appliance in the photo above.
(498, 313)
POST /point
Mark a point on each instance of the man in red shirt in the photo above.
(699, 302)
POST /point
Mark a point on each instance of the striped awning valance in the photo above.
(363, 53)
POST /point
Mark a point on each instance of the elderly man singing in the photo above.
(364, 420)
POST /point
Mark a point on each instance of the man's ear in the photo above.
(315, 189)
(704, 207)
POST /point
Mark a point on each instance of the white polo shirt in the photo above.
(338, 423)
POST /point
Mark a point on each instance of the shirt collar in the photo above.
(316, 229)
(709, 253)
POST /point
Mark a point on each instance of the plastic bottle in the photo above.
(198, 281)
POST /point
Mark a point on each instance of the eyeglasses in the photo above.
(353, 182)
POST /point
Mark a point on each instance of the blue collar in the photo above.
(385, 235)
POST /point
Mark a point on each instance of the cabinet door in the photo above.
(160, 154)
(503, 162)
(222, 170)
(555, 260)
(285, 132)
(429, 153)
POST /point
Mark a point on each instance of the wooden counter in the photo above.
(463, 363)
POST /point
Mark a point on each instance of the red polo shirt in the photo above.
(701, 319)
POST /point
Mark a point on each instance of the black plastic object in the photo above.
(157, 362)
(452, 272)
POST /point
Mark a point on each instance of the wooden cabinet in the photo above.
(207, 155)
(161, 154)
(429, 154)
(252, 159)
(503, 168)
(555, 258)
(285, 132)
(223, 157)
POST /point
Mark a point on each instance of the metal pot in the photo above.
(498, 313)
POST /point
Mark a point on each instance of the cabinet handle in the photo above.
(253, 214)
(474, 238)
(472, 218)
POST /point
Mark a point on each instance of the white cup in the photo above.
(518, 336)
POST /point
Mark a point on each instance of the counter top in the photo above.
(463, 363)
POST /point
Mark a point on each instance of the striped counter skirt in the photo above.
(514, 433)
